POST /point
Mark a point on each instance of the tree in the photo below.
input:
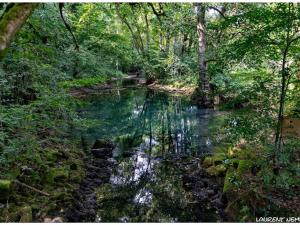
(205, 87)
(12, 21)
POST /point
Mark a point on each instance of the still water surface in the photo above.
(153, 131)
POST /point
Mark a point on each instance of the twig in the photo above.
(31, 188)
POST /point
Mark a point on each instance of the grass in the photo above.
(83, 82)
(181, 81)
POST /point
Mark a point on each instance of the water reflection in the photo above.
(149, 129)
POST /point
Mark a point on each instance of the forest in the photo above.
(149, 112)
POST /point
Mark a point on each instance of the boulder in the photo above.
(218, 170)
(102, 152)
(103, 143)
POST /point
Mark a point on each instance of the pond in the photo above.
(158, 136)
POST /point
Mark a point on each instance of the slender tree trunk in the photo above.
(184, 44)
(278, 137)
(203, 75)
(147, 32)
(161, 48)
(191, 40)
(12, 21)
(168, 39)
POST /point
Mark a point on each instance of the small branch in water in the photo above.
(31, 188)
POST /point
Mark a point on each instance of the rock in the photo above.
(218, 203)
(5, 188)
(210, 192)
(47, 220)
(103, 143)
(207, 162)
(228, 185)
(100, 163)
(202, 196)
(54, 220)
(58, 220)
(218, 170)
(214, 160)
(102, 152)
(26, 214)
(245, 166)
(127, 154)
(57, 174)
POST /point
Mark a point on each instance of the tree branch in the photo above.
(218, 10)
(61, 5)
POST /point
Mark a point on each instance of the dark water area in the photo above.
(159, 138)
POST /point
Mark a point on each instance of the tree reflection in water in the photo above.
(150, 129)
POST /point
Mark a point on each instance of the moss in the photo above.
(5, 188)
(127, 141)
(14, 12)
(218, 170)
(26, 214)
(214, 160)
(207, 162)
(228, 184)
(102, 143)
(105, 192)
(57, 174)
(244, 167)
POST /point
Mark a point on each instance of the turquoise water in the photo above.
(158, 136)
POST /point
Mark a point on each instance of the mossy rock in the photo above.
(76, 176)
(244, 167)
(50, 155)
(105, 192)
(26, 214)
(207, 162)
(5, 188)
(128, 141)
(102, 143)
(57, 174)
(218, 170)
(247, 154)
(232, 210)
(228, 184)
(214, 160)
(233, 151)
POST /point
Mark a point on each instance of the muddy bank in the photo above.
(202, 189)
(129, 82)
(112, 84)
(98, 172)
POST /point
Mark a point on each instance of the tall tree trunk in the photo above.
(284, 74)
(12, 21)
(168, 39)
(191, 40)
(160, 40)
(147, 31)
(204, 85)
(184, 44)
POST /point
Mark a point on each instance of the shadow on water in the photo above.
(152, 131)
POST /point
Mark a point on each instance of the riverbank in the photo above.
(41, 164)
(189, 90)
(83, 88)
